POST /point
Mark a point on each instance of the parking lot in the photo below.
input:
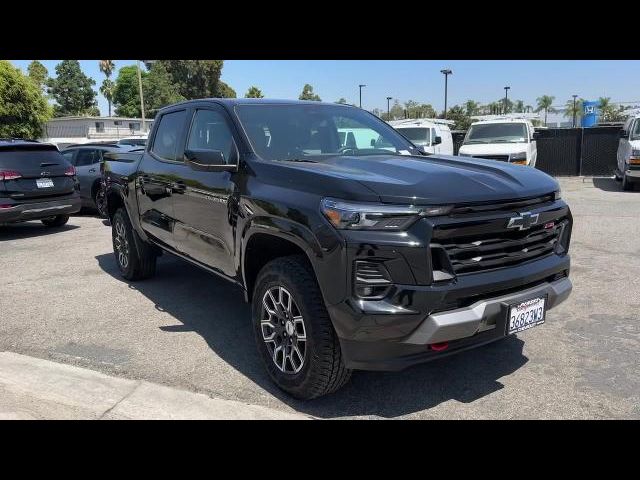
(63, 300)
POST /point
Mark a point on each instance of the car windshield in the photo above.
(635, 134)
(497, 133)
(305, 132)
(416, 134)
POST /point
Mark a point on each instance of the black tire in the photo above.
(136, 259)
(626, 184)
(57, 221)
(100, 201)
(323, 370)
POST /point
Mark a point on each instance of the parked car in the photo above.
(351, 257)
(87, 158)
(431, 135)
(36, 183)
(511, 140)
(628, 156)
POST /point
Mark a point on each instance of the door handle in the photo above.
(92, 170)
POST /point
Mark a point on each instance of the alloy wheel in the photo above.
(121, 245)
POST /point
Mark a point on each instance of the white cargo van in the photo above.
(430, 134)
(629, 154)
(507, 140)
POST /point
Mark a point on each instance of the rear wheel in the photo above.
(57, 221)
(136, 258)
(293, 331)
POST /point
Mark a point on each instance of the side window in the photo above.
(210, 131)
(86, 156)
(68, 156)
(635, 130)
(165, 143)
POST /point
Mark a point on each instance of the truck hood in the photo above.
(493, 148)
(435, 179)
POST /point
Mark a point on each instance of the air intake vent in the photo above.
(372, 279)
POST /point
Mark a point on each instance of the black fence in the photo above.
(573, 151)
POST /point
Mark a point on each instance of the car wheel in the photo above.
(136, 259)
(57, 221)
(626, 184)
(293, 331)
(100, 201)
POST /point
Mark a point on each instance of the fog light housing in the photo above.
(372, 280)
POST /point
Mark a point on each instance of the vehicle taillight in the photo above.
(70, 171)
(9, 175)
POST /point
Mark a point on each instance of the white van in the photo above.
(431, 135)
(629, 154)
(507, 140)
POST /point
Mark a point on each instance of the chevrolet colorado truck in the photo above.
(351, 257)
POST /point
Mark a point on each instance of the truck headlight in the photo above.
(376, 216)
(518, 158)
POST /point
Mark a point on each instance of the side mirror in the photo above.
(437, 140)
(207, 160)
(535, 136)
(373, 142)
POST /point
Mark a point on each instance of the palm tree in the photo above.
(528, 109)
(570, 110)
(519, 106)
(107, 67)
(606, 108)
(472, 107)
(544, 103)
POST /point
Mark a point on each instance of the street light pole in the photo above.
(506, 98)
(388, 111)
(141, 97)
(574, 110)
(360, 87)
(446, 72)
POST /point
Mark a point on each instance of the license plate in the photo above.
(525, 315)
(44, 182)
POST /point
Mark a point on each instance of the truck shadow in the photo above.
(215, 309)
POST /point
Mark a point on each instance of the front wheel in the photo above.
(57, 221)
(293, 331)
(100, 201)
(626, 184)
(136, 259)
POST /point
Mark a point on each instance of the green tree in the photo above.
(196, 78)
(126, 93)
(254, 92)
(224, 91)
(544, 103)
(608, 111)
(106, 89)
(570, 110)
(472, 107)
(39, 74)
(23, 106)
(458, 114)
(396, 112)
(307, 94)
(518, 106)
(342, 101)
(158, 90)
(72, 90)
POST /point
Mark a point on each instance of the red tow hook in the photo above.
(439, 347)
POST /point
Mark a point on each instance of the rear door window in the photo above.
(165, 143)
(86, 156)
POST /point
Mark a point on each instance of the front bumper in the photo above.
(633, 174)
(22, 212)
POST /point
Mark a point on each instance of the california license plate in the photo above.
(525, 315)
(44, 182)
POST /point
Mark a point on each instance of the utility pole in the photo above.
(144, 127)
(574, 110)
(360, 87)
(388, 110)
(506, 98)
(446, 72)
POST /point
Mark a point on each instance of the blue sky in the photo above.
(419, 80)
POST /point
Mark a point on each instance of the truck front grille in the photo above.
(501, 158)
(500, 249)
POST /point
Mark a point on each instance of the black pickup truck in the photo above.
(355, 249)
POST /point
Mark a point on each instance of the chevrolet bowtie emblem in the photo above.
(524, 221)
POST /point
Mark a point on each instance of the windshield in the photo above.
(421, 135)
(635, 134)
(497, 133)
(313, 132)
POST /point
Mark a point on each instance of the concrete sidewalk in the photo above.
(32, 388)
